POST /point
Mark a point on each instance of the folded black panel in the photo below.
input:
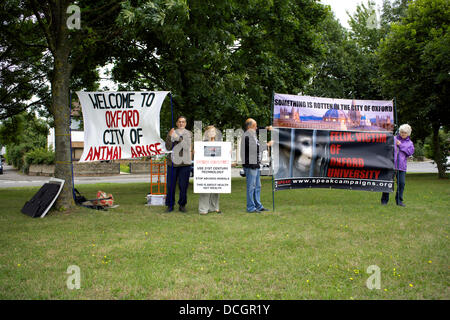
(41, 200)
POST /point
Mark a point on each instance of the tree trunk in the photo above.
(437, 152)
(61, 112)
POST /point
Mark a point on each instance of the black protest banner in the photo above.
(333, 147)
(334, 159)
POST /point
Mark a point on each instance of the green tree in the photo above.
(44, 46)
(332, 70)
(220, 59)
(392, 12)
(23, 62)
(21, 133)
(415, 65)
(24, 127)
(347, 67)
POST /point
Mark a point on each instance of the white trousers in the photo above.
(208, 202)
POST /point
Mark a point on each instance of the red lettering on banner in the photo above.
(336, 136)
(154, 149)
(146, 150)
(353, 173)
(377, 173)
(347, 162)
(139, 151)
(371, 137)
(96, 153)
(109, 153)
(89, 155)
(104, 153)
(133, 154)
(127, 118)
(335, 148)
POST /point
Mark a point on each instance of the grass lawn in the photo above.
(317, 245)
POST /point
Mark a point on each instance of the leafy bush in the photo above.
(419, 152)
(39, 156)
(427, 147)
(444, 145)
(21, 134)
(16, 154)
(444, 142)
(125, 168)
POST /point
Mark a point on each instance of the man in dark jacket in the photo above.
(251, 151)
(179, 141)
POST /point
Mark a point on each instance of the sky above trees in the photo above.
(340, 8)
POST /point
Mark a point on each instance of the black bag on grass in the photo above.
(79, 199)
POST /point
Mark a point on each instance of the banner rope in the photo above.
(171, 160)
(395, 144)
(70, 139)
(271, 153)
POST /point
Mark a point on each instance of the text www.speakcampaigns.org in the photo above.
(350, 182)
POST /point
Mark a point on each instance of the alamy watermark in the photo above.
(374, 281)
(180, 152)
(373, 21)
(74, 280)
(74, 20)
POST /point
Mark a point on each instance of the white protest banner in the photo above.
(212, 167)
(121, 125)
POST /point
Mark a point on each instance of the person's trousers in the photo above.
(253, 189)
(182, 175)
(208, 202)
(401, 177)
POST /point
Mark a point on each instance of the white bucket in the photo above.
(156, 199)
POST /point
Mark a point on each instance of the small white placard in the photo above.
(212, 167)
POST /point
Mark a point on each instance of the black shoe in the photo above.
(401, 204)
(262, 209)
(183, 209)
(384, 203)
(169, 209)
